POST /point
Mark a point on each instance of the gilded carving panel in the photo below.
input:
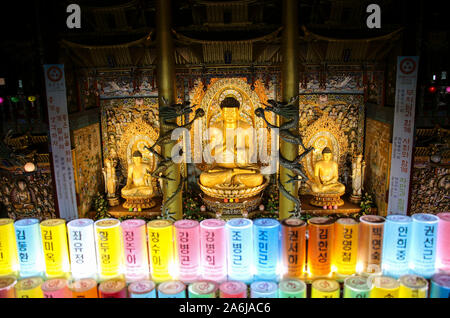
(88, 166)
(378, 162)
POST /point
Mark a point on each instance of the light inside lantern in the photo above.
(293, 247)
(266, 238)
(443, 242)
(423, 244)
(29, 247)
(321, 238)
(187, 247)
(345, 246)
(8, 248)
(82, 248)
(109, 248)
(240, 249)
(29, 167)
(135, 248)
(432, 89)
(397, 229)
(161, 249)
(213, 250)
(54, 243)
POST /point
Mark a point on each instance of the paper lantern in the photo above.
(325, 288)
(440, 286)
(384, 287)
(370, 245)
(240, 249)
(161, 249)
(203, 289)
(29, 288)
(7, 284)
(82, 247)
(293, 240)
(397, 238)
(443, 243)
(213, 250)
(263, 289)
(142, 289)
(109, 248)
(172, 289)
(135, 247)
(187, 243)
(413, 286)
(320, 245)
(357, 287)
(423, 244)
(55, 248)
(345, 253)
(29, 167)
(56, 288)
(84, 288)
(266, 239)
(292, 288)
(232, 289)
(113, 288)
(8, 248)
(29, 247)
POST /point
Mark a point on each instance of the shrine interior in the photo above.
(346, 78)
(216, 110)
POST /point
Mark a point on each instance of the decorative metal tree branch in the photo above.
(289, 111)
(168, 115)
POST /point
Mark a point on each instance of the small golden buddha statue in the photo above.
(110, 177)
(139, 190)
(22, 198)
(325, 185)
(231, 169)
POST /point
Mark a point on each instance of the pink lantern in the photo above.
(135, 248)
(187, 236)
(213, 250)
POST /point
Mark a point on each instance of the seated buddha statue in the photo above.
(230, 167)
(326, 175)
(139, 178)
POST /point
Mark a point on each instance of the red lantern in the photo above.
(432, 89)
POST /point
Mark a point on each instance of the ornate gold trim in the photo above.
(233, 192)
(324, 125)
(132, 132)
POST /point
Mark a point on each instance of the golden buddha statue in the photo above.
(231, 170)
(110, 177)
(325, 186)
(22, 197)
(139, 190)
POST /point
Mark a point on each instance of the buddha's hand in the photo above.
(239, 171)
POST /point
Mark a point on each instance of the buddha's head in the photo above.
(137, 157)
(327, 154)
(230, 110)
(359, 158)
(22, 185)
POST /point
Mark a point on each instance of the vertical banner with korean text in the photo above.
(403, 135)
(55, 84)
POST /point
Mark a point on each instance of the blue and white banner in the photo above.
(403, 136)
(58, 119)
